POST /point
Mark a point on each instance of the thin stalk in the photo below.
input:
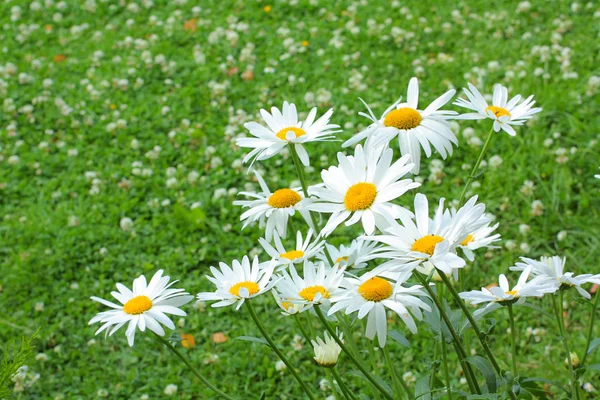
(352, 358)
(469, 375)
(348, 334)
(473, 173)
(513, 336)
(192, 368)
(304, 333)
(445, 367)
(333, 389)
(398, 381)
(560, 317)
(347, 392)
(281, 356)
(591, 328)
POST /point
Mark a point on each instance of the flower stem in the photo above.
(460, 351)
(560, 318)
(347, 393)
(304, 333)
(398, 381)
(445, 367)
(513, 336)
(348, 353)
(281, 356)
(473, 173)
(191, 368)
(591, 328)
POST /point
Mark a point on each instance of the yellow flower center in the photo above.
(467, 240)
(282, 134)
(360, 196)
(403, 118)
(340, 259)
(287, 305)
(427, 244)
(310, 292)
(284, 198)
(498, 111)
(251, 286)
(512, 292)
(292, 255)
(376, 289)
(137, 305)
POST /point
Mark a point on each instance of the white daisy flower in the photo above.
(144, 306)
(356, 255)
(371, 295)
(554, 268)
(505, 113)
(283, 129)
(316, 287)
(481, 237)
(501, 295)
(477, 226)
(327, 351)
(414, 128)
(361, 188)
(304, 249)
(287, 307)
(238, 283)
(272, 210)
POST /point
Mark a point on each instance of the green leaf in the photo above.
(544, 380)
(263, 396)
(595, 367)
(530, 387)
(400, 338)
(359, 374)
(485, 367)
(253, 339)
(422, 389)
(595, 343)
(487, 396)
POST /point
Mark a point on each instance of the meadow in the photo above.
(118, 158)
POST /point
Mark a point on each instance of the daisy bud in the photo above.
(574, 361)
(326, 352)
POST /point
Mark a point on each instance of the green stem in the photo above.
(348, 334)
(445, 366)
(560, 316)
(191, 368)
(281, 356)
(473, 173)
(333, 389)
(591, 327)
(347, 392)
(513, 336)
(469, 375)
(304, 333)
(398, 381)
(352, 358)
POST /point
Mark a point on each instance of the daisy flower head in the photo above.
(361, 188)
(287, 307)
(554, 269)
(143, 306)
(272, 210)
(282, 129)
(239, 282)
(304, 249)
(414, 128)
(327, 351)
(317, 285)
(502, 295)
(504, 112)
(355, 256)
(371, 295)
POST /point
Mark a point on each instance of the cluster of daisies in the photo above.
(372, 273)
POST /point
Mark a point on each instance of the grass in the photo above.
(61, 241)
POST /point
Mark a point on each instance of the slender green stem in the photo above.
(352, 358)
(469, 375)
(304, 333)
(560, 317)
(395, 377)
(348, 334)
(333, 389)
(192, 368)
(473, 173)
(347, 392)
(591, 327)
(281, 356)
(445, 367)
(513, 336)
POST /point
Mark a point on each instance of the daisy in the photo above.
(502, 111)
(316, 287)
(272, 210)
(371, 295)
(144, 306)
(283, 129)
(287, 307)
(502, 295)
(554, 268)
(414, 128)
(354, 256)
(479, 238)
(304, 249)
(361, 188)
(238, 283)
(327, 351)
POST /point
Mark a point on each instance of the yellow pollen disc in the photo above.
(467, 240)
(284, 198)
(286, 305)
(340, 259)
(251, 286)
(498, 111)
(292, 255)
(360, 196)
(376, 289)
(282, 134)
(403, 118)
(137, 305)
(427, 244)
(310, 292)
(512, 292)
